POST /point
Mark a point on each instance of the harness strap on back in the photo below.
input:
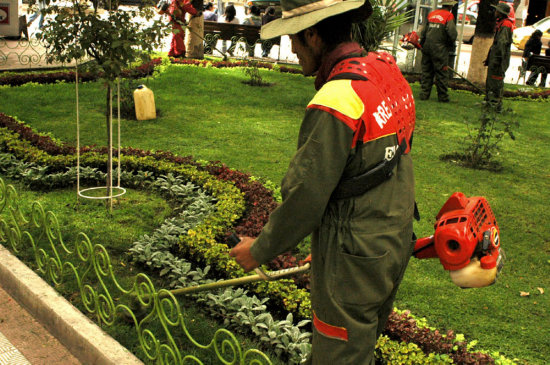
(358, 185)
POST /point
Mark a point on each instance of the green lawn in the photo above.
(210, 114)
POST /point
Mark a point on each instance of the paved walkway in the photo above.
(40, 327)
(23, 340)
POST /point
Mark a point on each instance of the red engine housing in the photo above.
(465, 228)
(411, 40)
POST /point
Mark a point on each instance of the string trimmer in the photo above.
(260, 275)
(466, 241)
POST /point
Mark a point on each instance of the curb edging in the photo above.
(82, 337)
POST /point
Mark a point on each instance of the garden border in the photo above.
(147, 69)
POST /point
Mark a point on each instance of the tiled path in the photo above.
(9, 355)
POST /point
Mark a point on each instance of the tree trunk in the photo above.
(483, 39)
(194, 34)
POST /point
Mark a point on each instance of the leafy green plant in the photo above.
(251, 68)
(232, 306)
(393, 352)
(387, 17)
(113, 42)
(482, 147)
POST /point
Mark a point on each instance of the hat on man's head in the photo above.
(502, 8)
(302, 14)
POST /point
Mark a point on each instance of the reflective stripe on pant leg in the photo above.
(359, 350)
(338, 333)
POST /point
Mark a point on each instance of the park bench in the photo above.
(248, 34)
(535, 63)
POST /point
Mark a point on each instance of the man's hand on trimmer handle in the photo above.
(241, 253)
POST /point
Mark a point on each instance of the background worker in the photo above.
(176, 12)
(498, 58)
(361, 117)
(438, 41)
(40, 12)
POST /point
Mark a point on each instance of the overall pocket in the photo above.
(361, 280)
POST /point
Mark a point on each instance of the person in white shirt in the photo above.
(230, 15)
(210, 13)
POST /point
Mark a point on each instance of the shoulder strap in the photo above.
(358, 68)
(358, 185)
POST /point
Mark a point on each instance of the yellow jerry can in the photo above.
(145, 103)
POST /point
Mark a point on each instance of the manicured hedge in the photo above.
(20, 78)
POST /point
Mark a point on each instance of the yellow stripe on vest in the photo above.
(340, 96)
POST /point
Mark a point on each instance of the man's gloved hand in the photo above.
(486, 63)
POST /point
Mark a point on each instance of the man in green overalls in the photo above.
(437, 40)
(498, 58)
(350, 183)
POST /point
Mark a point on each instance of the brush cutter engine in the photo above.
(466, 241)
(411, 41)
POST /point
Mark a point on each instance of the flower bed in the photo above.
(536, 95)
(146, 69)
(17, 79)
(243, 205)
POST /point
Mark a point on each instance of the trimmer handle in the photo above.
(234, 240)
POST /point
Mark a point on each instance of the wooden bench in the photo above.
(248, 34)
(535, 63)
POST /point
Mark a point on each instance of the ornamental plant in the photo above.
(39, 165)
(482, 144)
(387, 17)
(112, 42)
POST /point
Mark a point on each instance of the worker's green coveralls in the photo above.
(498, 61)
(437, 40)
(361, 245)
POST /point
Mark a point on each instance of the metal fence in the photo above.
(102, 295)
(22, 54)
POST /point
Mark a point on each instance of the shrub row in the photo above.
(243, 63)
(201, 243)
(147, 68)
(233, 307)
(519, 94)
(17, 79)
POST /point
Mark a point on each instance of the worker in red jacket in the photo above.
(176, 12)
(498, 58)
(437, 40)
(350, 183)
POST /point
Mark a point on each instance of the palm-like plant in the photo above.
(387, 17)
